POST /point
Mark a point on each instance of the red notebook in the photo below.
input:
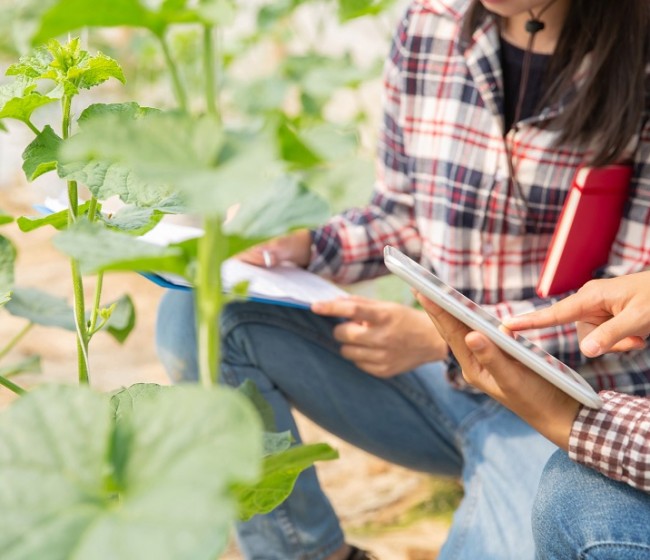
(586, 229)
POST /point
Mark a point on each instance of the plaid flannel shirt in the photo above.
(443, 193)
(615, 439)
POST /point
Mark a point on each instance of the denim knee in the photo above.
(580, 513)
(176, 336)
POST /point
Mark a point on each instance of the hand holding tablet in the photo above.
(476, 318)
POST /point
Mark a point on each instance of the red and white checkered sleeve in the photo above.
(615, 439)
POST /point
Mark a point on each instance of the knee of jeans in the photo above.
(559, 504)
(176, 336)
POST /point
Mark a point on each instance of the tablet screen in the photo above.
(475, 317)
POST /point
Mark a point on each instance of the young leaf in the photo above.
(40, 156)
(3, 127)
(96, 70)
(279, 475)
(18, 100)
(73, 68)
(167, 498)
(122, 319)
(32, 66)
(58, 220)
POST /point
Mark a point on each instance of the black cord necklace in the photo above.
(533, 26)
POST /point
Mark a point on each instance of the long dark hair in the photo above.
(608, 108)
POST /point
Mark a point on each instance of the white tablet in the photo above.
(470, 313)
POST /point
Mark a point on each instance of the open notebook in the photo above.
(280, 285)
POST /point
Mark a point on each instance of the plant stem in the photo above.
(212, 250)
(15, 340)
(11, 386)
(77, 280)
(179, 90)
(92, 209)
(31, 126)
(96, 302)
(209, 72)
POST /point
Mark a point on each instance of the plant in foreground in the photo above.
(150, 472)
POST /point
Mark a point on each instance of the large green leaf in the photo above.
(71, 15)
(217, 12)
(349, 9)
(41, 308)
(63, 496)
(128, 110)
(97, 249)
(40, 156)
(283, 206)
(279, 475)
(31, 364)
(104, 179)
(212, 170)
(133, 220)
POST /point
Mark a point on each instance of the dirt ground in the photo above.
(371, 496)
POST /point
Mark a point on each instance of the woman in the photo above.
(474, 164)
(601, 511)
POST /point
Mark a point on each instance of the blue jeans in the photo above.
(579, 513)
(415, 419)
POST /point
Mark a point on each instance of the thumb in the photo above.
(483, 349)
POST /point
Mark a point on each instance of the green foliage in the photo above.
(69, 66)
(97, 249)
(150, 482)
(19, 99)
(162, 472)
(7, 262)
(40, 155)
(349, 9)
(280, 472)
(41, 308)
(120, 318)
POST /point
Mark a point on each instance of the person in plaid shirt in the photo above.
(578, 512)
(489, 108)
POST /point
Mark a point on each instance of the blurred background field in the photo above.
(319, 69)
